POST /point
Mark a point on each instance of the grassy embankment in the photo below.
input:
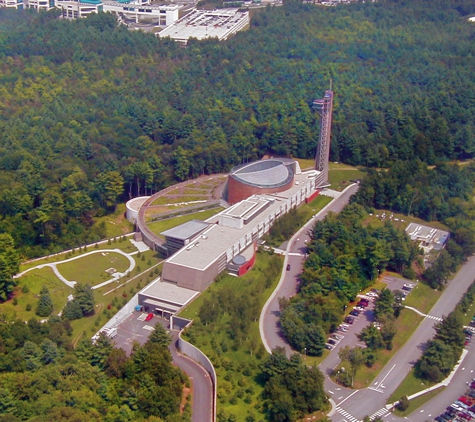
(162, 225)
(237, 365)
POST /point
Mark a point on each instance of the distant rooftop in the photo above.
(203, 24)
(428, 236)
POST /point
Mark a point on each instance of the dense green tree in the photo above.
(9, 265)
(160, 336)
(354, 356)
(44, 306)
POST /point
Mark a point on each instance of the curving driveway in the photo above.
(202, 387)
(287, 287)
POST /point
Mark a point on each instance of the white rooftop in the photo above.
(434, 237)
(203, 24)
(169, 292)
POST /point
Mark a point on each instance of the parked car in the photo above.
(355, 312)
(149, 317)
(288, 267)
(349, 320)
(332, 341)
(329, 346)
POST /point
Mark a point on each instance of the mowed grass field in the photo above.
(91, 269)
(400, 221)
(113, 243)
(423, 298)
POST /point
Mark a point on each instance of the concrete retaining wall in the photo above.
(198, 356)
(122, 314)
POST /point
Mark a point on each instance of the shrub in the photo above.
(109, 242)
(403, 404)
(25, 289)
(15, 301)
(28, 307)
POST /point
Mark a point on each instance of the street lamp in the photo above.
(305, 352)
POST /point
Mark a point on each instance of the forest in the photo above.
(92, 114)
(42, 378)
(345, 257)
(443, 193)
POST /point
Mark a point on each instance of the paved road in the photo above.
(135, 329)
(269, 320)
(373, 399)
(352, 405)
(202, 388)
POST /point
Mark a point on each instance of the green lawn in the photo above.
(339, 178)
(91, 269)
(402, 220)
(237, 365)
(313, 207)
(162, 225)
(423, 298)
(409, 386)
(115, 243)
(418, 402)
(127, 287)
(34, 281)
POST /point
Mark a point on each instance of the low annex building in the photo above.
(164, 299)
(427, 237)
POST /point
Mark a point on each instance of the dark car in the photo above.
(349, 320)
(362, 304)
(331, 341)
(288, 267)
(355, 312)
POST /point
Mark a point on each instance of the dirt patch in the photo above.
(184, 398)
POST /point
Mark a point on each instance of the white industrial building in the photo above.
(201, 24)
(163, 15)
(12, 4)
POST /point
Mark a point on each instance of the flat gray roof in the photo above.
(168, 292)
(218, 239)
(268, 176)
(186, 230)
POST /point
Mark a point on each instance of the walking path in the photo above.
(422, 314)
(116, 276)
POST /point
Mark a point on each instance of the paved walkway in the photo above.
(116, 276)
(422, 314)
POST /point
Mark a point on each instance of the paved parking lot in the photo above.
(135, 328)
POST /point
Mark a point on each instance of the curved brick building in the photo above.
(260, 177)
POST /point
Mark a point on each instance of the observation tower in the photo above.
(324, 108)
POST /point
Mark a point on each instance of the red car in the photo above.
(149, 317)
